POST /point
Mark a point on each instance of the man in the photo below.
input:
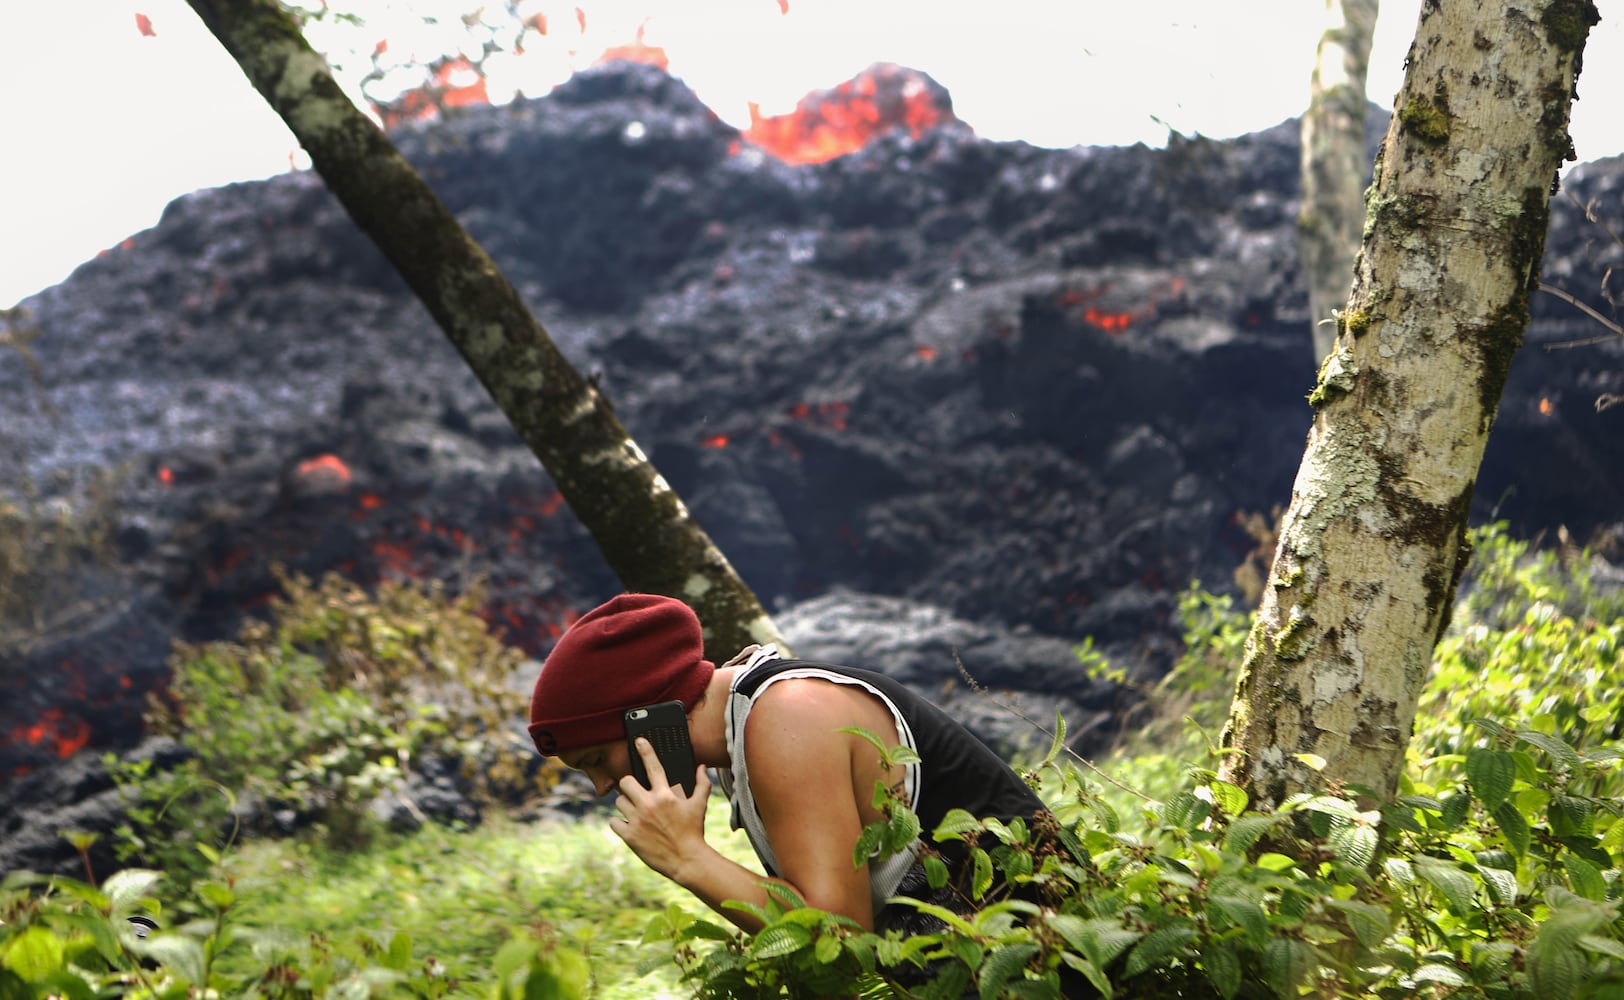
(772, 728)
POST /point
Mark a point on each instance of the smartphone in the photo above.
(666, 727)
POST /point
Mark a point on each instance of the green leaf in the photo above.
(827, 949)
(1157, 945)
(1554, 963)
(125, 888)
(34, 954)
(868, 844)
(1370, 924)
(1502, 884)
(779, 940)
(1275, 862)
(1354, 843)
(1491, 774)
(216, 894)
(1100, 940)
(1222, 968)
(1558, 749)
(1570, 816)
(1004, 964)
(1230, 798)
(1185, 811)
(1514, 828)
(180, 954)
(982, 878)
(903, 831)
(1091, 972)
(955, 824)
(936, 872)
(1585, 877)
(1491, 727)
(1454, 885)
(1435, 972)
(967, 950)
(1287, 963)
(1243, 913)
(1245, 831)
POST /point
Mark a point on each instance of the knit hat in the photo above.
(633, 650)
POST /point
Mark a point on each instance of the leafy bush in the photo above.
(326, 707)
(60, 938)
(1496, 873)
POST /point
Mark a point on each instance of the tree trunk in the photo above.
(1373, 543)
(643, 529)
(1333, 163)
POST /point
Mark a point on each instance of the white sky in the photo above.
(102, 126)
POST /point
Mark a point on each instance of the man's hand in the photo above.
(662, 826)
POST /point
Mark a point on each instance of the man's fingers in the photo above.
(651, 764)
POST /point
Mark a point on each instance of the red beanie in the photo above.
(635, 649)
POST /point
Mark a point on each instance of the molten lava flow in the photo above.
(715, 441)
(324, 472)
(843, 120)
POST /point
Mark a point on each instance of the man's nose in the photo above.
(603, 784)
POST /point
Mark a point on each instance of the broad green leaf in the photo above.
(1558, 749)
(1454, 885)
(1585, 877)
(1434, 972)
(1274, 862)
(1245, 914)
(1502, 884)
(904, 830)
(1230, 798)
(216, 894)
(1222, 968)
(936, 871)
(1287, 963)
(1514, 828)
(1370, 924)
(1491, 727)
(1330, 805)
(868, 844)
(982, 878)
(1157, 945)
(1185, 811)
(1245, 831)
(779, 940)
(955, 824)
(1491, 774)
(180, 954)
(1002, 965)
(1570, 816)
(1091, 972)
(34, 954)
(125, 887)
(1553, 958)
(1354, 843)
(1603, 946)
(827, 949)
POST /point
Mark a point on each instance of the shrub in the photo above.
(330, 704)
(60, 938)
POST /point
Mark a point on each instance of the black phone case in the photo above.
(666, 727)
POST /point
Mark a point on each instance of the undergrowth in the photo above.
(1495, 872)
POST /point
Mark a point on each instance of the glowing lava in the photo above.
(835, 122)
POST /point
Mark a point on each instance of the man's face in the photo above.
(604, 763)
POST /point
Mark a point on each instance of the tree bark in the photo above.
(646, 534)
(1333, 163)
(1373, 543)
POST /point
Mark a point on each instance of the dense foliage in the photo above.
(333, 703)
(1494, 874)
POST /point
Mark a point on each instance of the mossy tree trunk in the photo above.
(643, 529)
(1373, 543)
(1334, 164)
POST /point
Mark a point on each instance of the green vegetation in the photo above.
(1495, 874)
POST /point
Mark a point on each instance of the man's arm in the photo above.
(666, 830)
